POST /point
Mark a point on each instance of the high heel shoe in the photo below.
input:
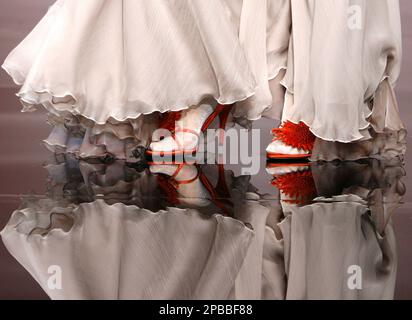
(219, 195)
(291, 141)
(169, 123)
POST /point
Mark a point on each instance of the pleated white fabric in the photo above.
(87, 140)
(345, 56)
(262, 275)
(324, 240)
(350, 224)
(330, 64)
(292, 253)
(120, 59)
(124, 252)
(264, 33)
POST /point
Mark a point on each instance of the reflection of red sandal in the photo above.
(295, 183)
(199, 191)
(291, 141)
(184, 139)
(169, 184)
(220, 193)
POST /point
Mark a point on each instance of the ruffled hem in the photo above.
(381, 146)
(88, 140)
(382, 116)
(134, 80)
(342, 91)
(39, 215)
(381, 133)
(225, 73)
(65, 102)
(384, 136)
(197, 247)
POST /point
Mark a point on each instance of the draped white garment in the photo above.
(124, 252)
(116, 60)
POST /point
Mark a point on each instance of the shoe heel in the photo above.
(223, 117)
(220, 193)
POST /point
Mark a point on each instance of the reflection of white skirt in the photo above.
(325, 241)
(124, 252)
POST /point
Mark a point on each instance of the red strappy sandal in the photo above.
(219, 195)
(169, 123)
(170, 184)
(295, 135)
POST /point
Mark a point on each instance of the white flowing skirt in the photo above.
(344, 62)
(330, 64)
(121, 59)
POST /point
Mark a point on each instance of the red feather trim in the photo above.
(168, 120)
(295, 135)
(298, 186)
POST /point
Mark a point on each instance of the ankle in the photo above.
(195, 117)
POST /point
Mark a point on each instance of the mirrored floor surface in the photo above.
(111, 230)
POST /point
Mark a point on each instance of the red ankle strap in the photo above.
(169, 119)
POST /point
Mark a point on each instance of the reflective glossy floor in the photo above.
(73, 229)
(112, 230)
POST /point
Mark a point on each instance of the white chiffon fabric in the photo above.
(299, 60)
(120, 59)
(88, 140)
(124, 252)
(122, 244)
(323, 240)
(340, 77)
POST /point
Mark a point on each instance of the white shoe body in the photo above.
(191, 120)
(279, 147)
(190, 194)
